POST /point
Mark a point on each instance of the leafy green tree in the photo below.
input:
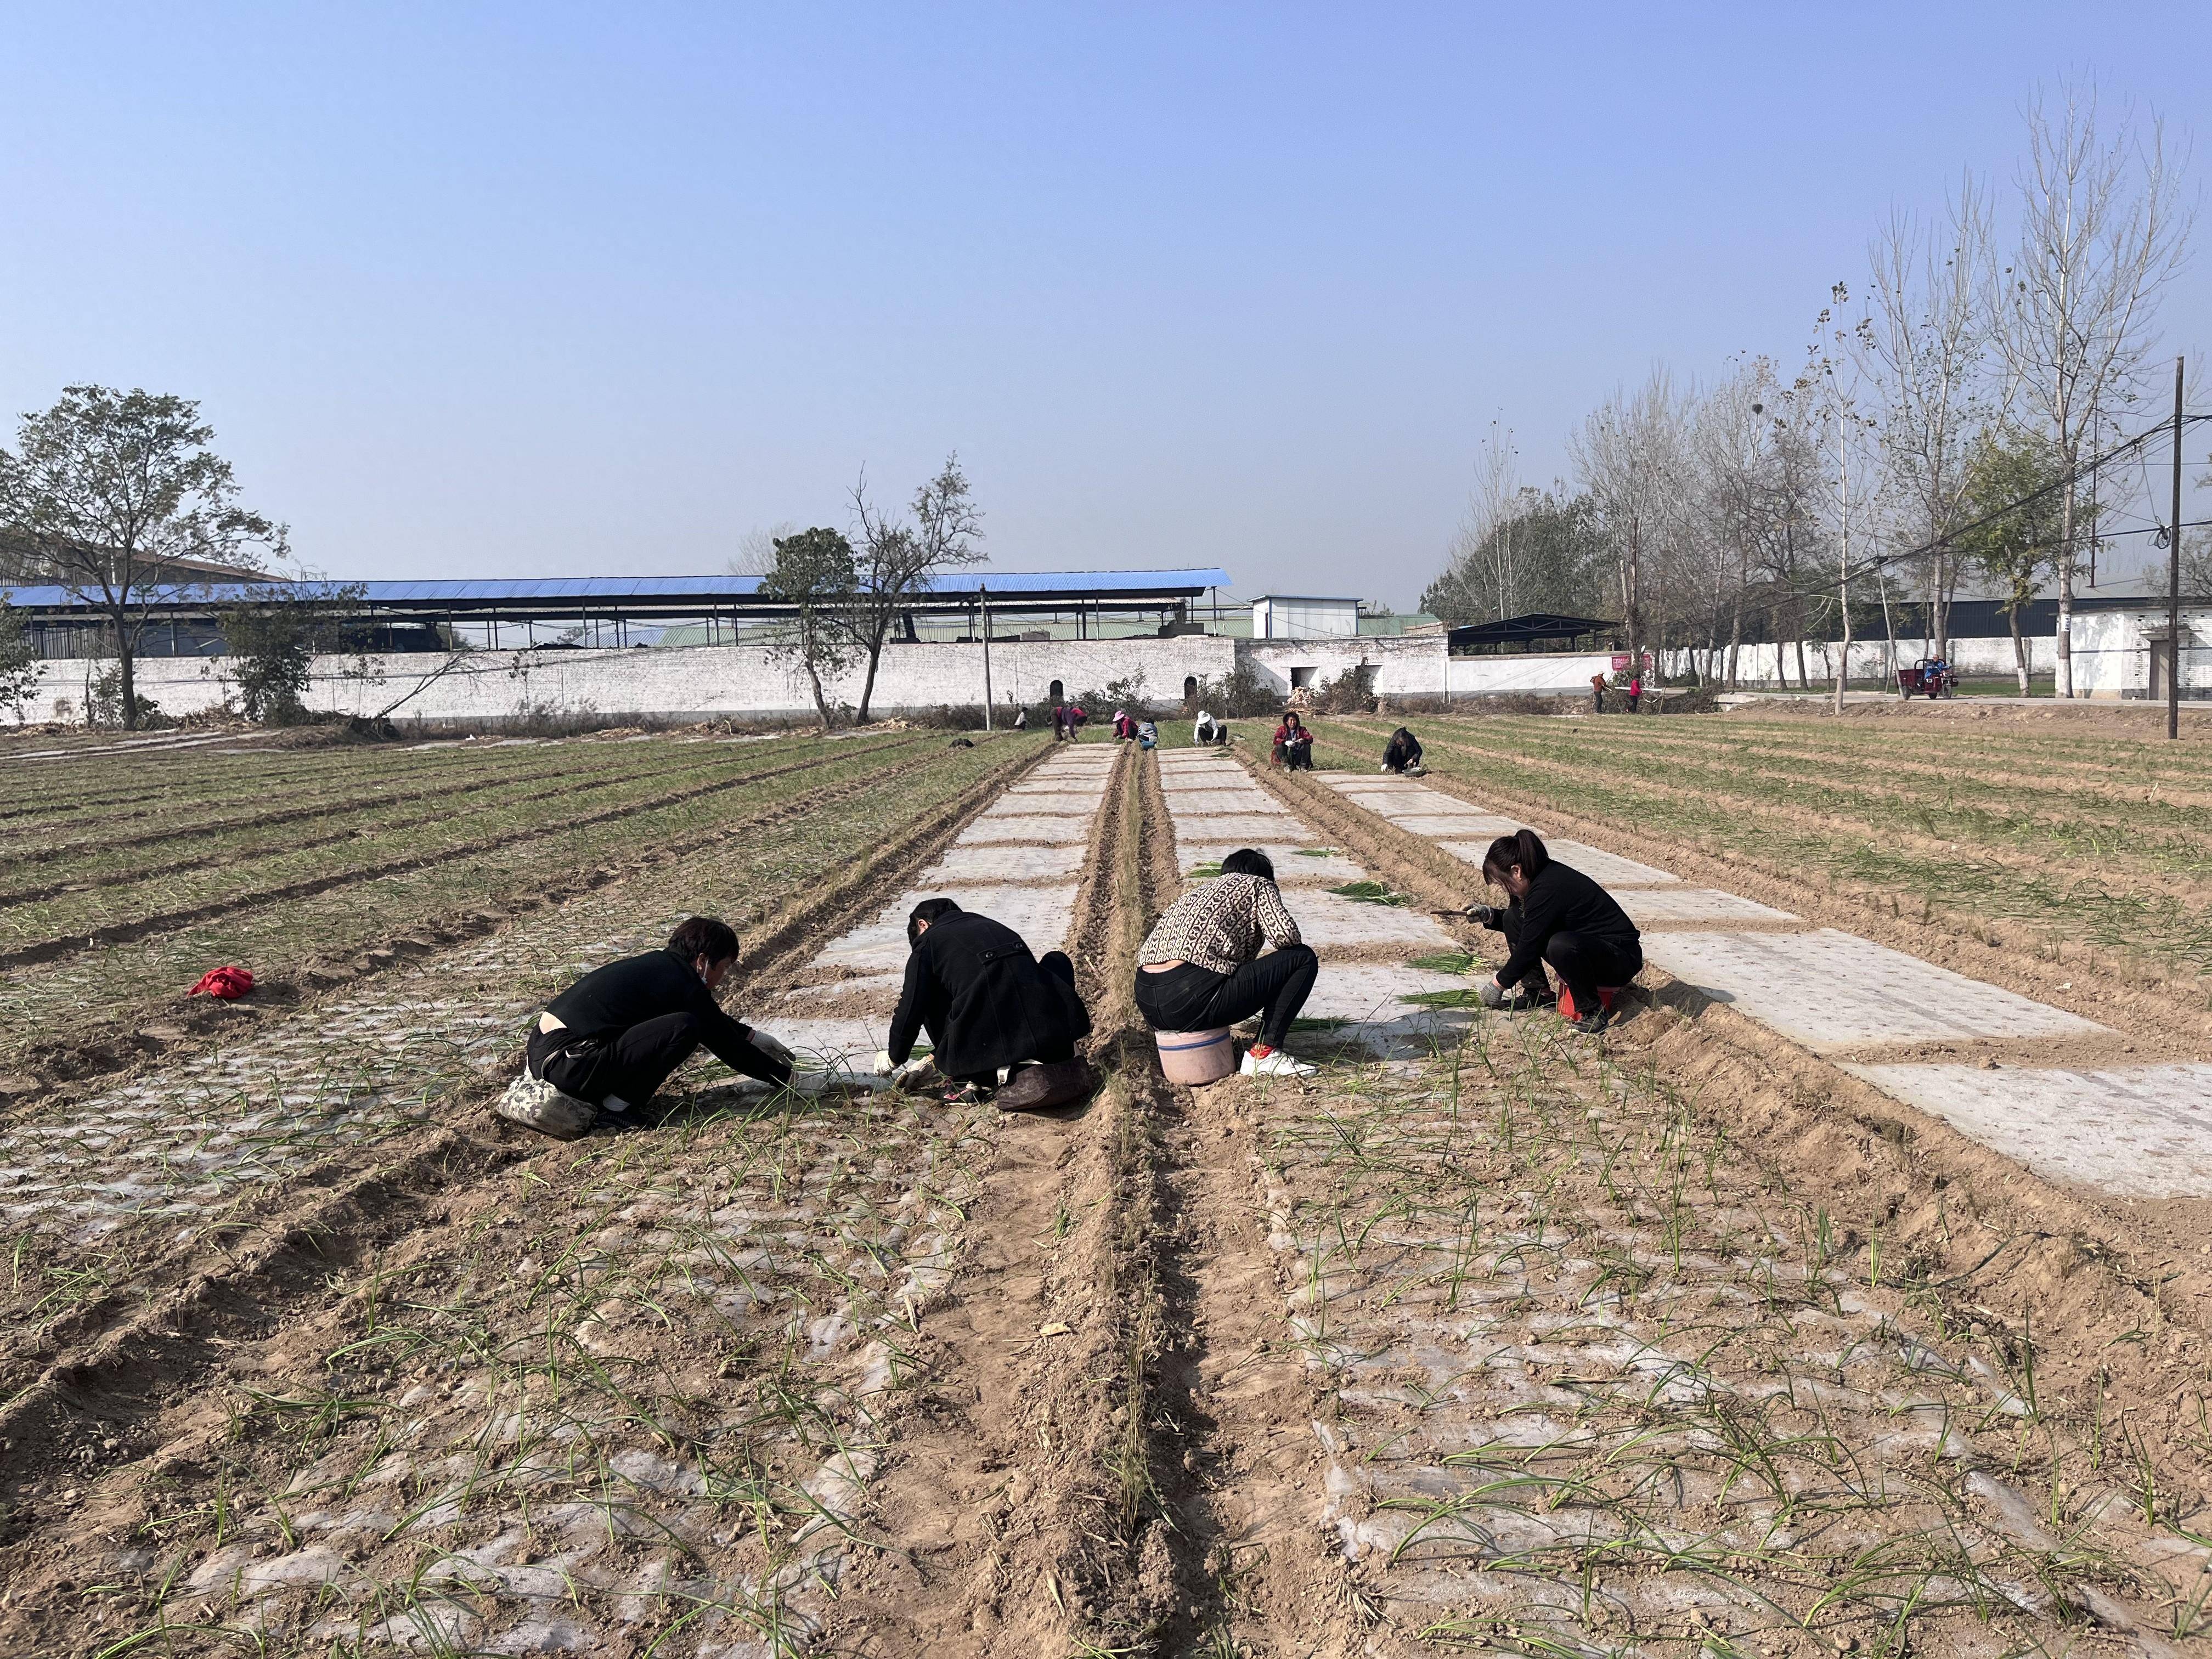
(113, 494)
(2016, 522)
(1559, 558)
(19, 662)
(273, 638)
(815, 572)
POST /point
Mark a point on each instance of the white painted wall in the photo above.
(1769, 664)
(2111, 653)
(692, 683)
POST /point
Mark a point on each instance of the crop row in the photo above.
(179, 828)
(132, 784)
(2098, 898)
(2158, 838)
(41, 1001)
(252, 862)
(95, 1190)
(1597, 1383)
(631, 1405)
(131, 789)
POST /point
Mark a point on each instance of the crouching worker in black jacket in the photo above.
(1557, 915)
(614, 1037)
(990, 1007)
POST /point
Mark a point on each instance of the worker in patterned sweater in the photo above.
(1201, 967)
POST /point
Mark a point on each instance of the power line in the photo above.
(1883, 561)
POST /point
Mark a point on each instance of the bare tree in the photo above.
(1927, 348)
(113, 493)
(755, 554)
(1830, 386)
(2103, 230)
(1732, 456)
(899, 560)
(1484, 544)
(1630, 455)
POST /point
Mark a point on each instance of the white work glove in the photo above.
(882, 1066)
(775, 1050)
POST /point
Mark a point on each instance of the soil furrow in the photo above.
(157, 1338)
(119, 1038)
(2090, 1276)
(448, 792)
(144, 926)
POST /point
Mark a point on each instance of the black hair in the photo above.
(1524, 847)
(1402, 732)
(1248, 861)
(704, 936)
(927, 910)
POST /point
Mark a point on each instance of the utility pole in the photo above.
(2173, 580)
(984, 591)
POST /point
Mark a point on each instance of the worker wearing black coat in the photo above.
(1403, 753)
(614, 1037)
(986, 1002)
(1557, 915)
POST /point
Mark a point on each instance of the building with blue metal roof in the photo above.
(439, 615)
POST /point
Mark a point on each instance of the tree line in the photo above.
(1938, 437)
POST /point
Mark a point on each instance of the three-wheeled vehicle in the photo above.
(1931, 677)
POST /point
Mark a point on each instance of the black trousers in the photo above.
(627, 1066)
(1581, 963)
(1195, 999)
(1055, 962)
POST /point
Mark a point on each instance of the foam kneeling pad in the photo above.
(1040, 1088)
(537, 1104)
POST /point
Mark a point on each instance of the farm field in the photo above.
(2083, 842)
(1683, 1340)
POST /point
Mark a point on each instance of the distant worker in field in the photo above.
(1021, 720)
(1003, 1023)
(1597, 693)
(1558, 915)
(1293, 743)
(1635, 692)
(1201, 967)
(1063, 728)
(1206, 729)
(610, 1040)
(1403, 756)
(1148, 734)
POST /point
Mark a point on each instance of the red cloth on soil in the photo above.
(227, 983)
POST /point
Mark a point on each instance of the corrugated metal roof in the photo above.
(612, 590)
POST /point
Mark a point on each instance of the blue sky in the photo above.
(544, 289)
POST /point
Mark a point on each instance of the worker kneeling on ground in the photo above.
(607, 1043)
(1557, 915)
(1201, 967)
(1003, 1023)
(1403, 756)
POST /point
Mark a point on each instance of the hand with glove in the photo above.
(1483, 915)
(882, 1066)
(774, 1049)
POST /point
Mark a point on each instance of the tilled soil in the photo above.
(1677, 1341)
